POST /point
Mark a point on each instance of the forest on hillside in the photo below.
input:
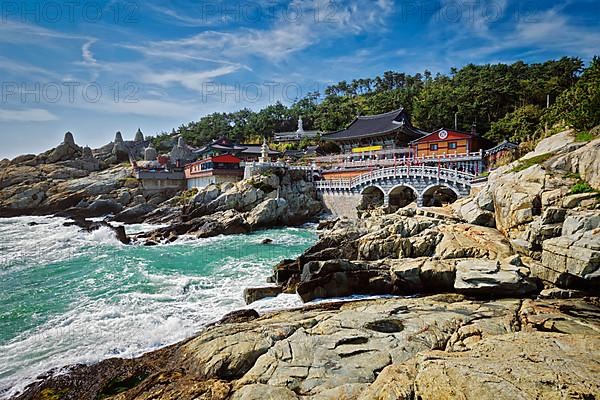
(505, 101)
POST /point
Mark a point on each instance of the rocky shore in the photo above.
(78, 183)
(442, 346)
(493, 297)
(276, 197)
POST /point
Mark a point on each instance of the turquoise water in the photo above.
(72, 297)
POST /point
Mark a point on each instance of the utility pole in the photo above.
(455, 121)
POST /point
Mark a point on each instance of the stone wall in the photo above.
(342, 205)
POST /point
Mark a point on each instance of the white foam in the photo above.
(113, 316)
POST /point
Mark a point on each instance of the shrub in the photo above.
(582, 187)
(584, 137)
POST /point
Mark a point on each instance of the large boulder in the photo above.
(471, 241)
(339, 278)
(584, 162)
(488, 278)
(269, 212)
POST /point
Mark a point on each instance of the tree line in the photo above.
(506, 101)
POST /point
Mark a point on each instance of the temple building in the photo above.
(449, 142)
(213, 170)
(372, 133)
(246, 152)
(459, 150)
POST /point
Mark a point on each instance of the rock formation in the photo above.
(278, 198)
(120, 150)
(139, 136)
(443, 346)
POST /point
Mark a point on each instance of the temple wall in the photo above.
(160, 185)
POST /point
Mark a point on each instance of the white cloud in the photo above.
(191, 80)
(86, 52)
(29, 115)
(279, 39)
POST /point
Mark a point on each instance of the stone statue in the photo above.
(120, 150)
(180, 151)
(87, 152)
(139, 136)
(67, 150)
(150, 154)
(300, 125)
(264, 152)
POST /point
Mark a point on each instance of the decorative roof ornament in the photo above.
(118, 137)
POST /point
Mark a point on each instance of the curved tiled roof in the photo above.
(377, 125)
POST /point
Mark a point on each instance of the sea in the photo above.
(69, 296)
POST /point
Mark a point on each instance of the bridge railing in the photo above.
(397, 172)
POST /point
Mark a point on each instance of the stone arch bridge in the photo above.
(395, 186)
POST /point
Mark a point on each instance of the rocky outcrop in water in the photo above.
(444, 346)
(278, 197)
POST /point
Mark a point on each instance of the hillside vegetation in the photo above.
(506, 102)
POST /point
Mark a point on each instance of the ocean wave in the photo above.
(105, 299)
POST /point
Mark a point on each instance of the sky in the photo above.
(97, 67)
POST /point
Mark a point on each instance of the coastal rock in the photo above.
(267, 213)
(517, 197)
(471, 212)
(396, 348)
(338, 278)
(135, 214)
(516, 366)
(252, 295)
(573, 261)
(471, 241)
(584, 162)
(491, 278)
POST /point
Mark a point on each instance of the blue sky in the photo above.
(95, 67)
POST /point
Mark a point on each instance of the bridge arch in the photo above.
(438, 194)
(372, 196)
(402, 195)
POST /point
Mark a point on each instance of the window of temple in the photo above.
(452, 145)
(433, 147)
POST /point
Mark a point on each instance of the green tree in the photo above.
(579, 106)
(517, 126)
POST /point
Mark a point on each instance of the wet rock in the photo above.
(254, 294)
(239, 316)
